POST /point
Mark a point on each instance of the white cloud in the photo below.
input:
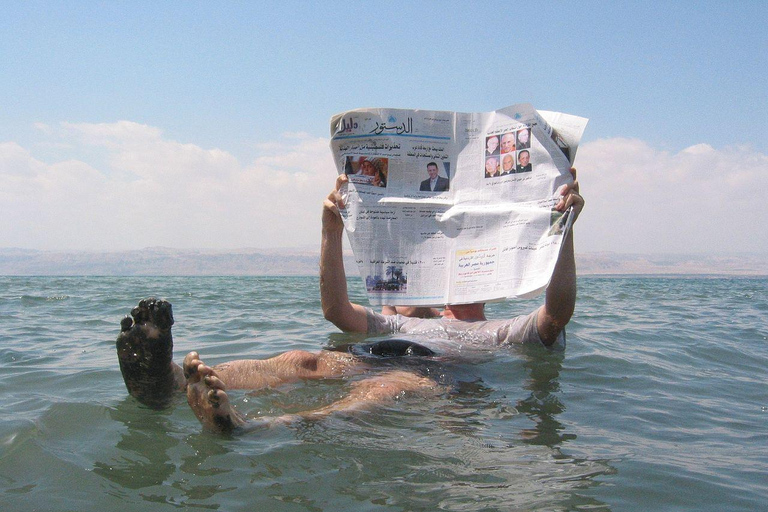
(142, 189)
(153, 191)
(642, 199)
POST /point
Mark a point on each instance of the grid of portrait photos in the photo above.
(508, 153)
(367, 170)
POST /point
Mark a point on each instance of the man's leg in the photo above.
(206, 386)
(145, 349)
(378, 390)
(206, 394)
(288, 367)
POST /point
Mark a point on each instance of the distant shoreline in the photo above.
(161, 261)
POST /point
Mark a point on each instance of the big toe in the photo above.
(190, 364)
(140, 313)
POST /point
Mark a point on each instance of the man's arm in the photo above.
(560, 298)
(333, 280)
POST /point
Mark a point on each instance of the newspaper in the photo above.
(451, 208)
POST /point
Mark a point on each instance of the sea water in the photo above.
(659, 402)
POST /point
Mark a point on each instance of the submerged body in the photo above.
(450, 336)
(145, 346)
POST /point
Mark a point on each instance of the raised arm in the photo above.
(333, 280)
(561, 293)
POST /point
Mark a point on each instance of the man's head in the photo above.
(524, 157)
(490, 165)
(432, 170)
(416, 311)
(507, 163)
(507, 142)
(469, 312)
(523, 136)
(492, 143)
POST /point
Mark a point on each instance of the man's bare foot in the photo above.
(207, 397)
(145, 351)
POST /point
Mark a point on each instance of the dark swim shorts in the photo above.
(386, 348)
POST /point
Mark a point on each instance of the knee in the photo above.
(301, 359)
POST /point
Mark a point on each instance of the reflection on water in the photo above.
(143, 458)
(152, 453)
(543, 404)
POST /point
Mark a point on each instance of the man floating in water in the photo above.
(145, 347)
(145, 344)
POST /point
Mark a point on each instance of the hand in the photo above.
(331, 215)
(570, 197)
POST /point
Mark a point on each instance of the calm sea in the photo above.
(660, 402)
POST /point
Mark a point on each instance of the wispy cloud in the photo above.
(125, 185)
(644, 199)
(154, 191)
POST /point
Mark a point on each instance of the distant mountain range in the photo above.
(304, 261)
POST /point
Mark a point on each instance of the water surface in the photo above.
(659, 402)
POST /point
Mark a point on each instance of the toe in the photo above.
(126, 324)
(215, 397)
(213, 382)
(191, 362)
(203, 370)
(161, 314)
(140, 313)
(192, 371)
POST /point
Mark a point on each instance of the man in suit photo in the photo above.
(434, 183)
(524, 161)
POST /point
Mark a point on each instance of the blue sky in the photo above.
(251, 87)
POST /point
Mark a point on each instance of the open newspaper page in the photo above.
(450, 208)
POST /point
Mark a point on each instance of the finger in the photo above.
(575, 180)
(570, 199)
(575, 185)
(336, 198)
(341, 179)
(330, 210)
(331, 204)
(576, 202)
(561, 204)
(569, 188)
(565, 190)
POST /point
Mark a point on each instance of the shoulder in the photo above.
(387, 324)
